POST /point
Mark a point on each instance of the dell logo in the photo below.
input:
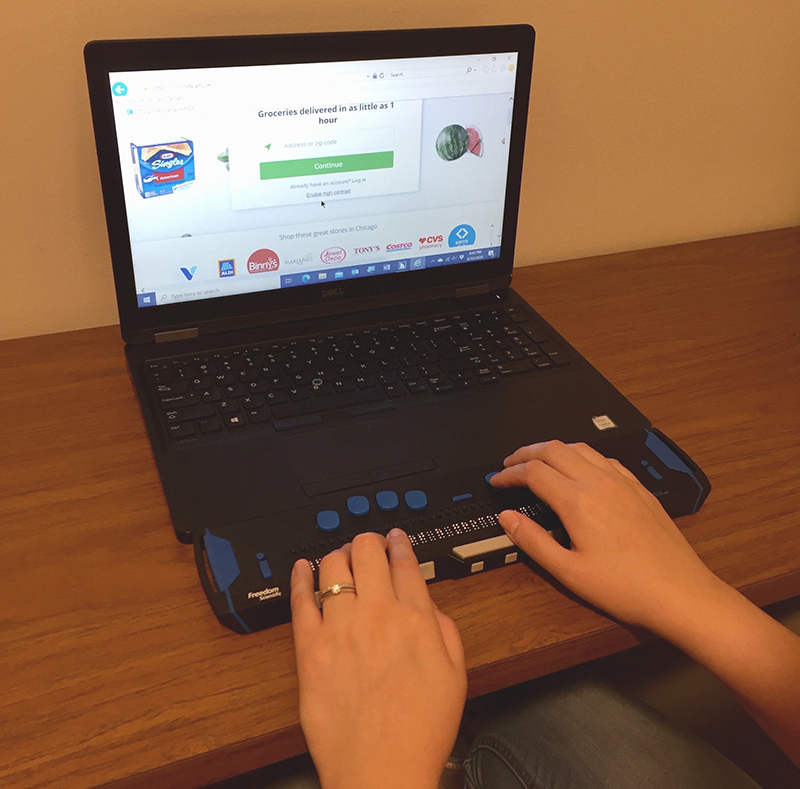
(327, 293)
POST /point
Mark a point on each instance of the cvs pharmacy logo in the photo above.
(262, 261)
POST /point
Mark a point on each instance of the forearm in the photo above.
(755, 656)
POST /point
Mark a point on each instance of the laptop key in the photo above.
(178, 401)
(179, 387)
(277, 398)
(209, 425)
(317, 404)
(395, 390)
(189, 413)
(181, 430)
(511, 368)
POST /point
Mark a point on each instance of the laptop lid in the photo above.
(254, 180)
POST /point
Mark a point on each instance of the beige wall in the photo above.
(652, 121)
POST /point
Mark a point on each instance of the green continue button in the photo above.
(291, 168)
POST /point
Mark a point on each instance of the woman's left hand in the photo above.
(381, 671)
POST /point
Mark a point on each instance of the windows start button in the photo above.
(349, 163)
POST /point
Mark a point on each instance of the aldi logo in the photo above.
(227, 268)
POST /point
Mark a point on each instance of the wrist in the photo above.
(376, 774)
(689, 610)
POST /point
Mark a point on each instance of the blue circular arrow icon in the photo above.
(119, 89)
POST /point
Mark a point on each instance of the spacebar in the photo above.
(314, 405)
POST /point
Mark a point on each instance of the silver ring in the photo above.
(332, 591)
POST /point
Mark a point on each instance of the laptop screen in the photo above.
(245, 179)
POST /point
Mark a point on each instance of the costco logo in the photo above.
(263, 261)
(395, 247)
(333, 255)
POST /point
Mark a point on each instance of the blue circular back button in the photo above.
(358, 505)
(328, 520)
(416, 500)
(387, 500)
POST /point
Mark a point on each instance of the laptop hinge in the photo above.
(178, 334)
(472, 290)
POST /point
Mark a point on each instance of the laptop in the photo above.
(312, 239)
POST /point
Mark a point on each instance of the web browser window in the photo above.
(254, 178)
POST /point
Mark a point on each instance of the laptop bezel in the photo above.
(140, 325)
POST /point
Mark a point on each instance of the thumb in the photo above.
(536, 541)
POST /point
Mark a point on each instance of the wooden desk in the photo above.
(114, 670)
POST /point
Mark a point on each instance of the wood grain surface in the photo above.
(116, 673)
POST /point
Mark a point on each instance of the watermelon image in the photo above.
(475, 144)
(452, 142)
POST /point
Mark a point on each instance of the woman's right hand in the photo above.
(627, 556)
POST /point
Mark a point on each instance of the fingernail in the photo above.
(509, 520)
(395, 533)
(296, 565)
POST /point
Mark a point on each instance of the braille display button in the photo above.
(416, 500)
(358, 505)
(328, 520)
(387, 500)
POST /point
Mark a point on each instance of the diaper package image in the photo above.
(163, 168)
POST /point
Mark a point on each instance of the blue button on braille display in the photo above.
(462, 497)
(358, 505)
(489, 476)
(654, 474)
(263, 565)
(416, 500)
(387, 500)
(328, 520)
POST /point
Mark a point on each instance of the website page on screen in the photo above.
(256, 178)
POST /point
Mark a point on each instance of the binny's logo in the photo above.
(326, 293)
(262, 261)
(265, 594)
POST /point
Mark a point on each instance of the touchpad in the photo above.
(341, 452)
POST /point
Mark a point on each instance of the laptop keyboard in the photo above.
(290, 384)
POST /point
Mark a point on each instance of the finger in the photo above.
(335, 569)
(592, 455)
(306, 617)
(523, 454)
(371, 567)
(409, 585)
(536, 542)
(555, 454)
(548, 484)
(622, 470)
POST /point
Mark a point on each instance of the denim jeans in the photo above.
(582, 734)
(560, 733)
